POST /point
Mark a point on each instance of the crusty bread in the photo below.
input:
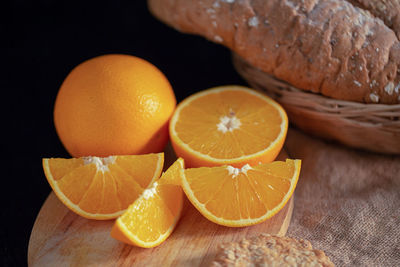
(345, 50)
(267, 250)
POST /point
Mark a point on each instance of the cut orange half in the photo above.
(230, 125)
(153, 216)
(102, 188)
(241, 197)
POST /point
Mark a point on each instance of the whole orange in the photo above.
(113, 105)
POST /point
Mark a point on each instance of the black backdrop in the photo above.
(41, 41)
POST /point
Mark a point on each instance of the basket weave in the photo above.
(374, 127)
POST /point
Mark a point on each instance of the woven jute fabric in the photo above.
(347, 202)
(374, 127)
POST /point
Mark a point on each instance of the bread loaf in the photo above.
(267, 250)
(347, 50)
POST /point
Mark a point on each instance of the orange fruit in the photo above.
(114, 105)
(230, 125)
(153, 216)
(102, 188)
(240, 197)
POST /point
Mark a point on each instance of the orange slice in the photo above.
(153, 216)
(102, 188)
(230, 125)
(240, 197)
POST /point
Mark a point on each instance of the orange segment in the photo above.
(228, 125)
(154, 215)
(102, 188)
(240, 197)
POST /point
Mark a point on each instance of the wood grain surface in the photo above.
(62, 238)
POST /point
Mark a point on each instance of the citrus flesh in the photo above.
(102, 188)
(231, 125)
(241, 196)
(114, 105)
(153, 216)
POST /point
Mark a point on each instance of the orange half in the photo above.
(102, 188)
(230, 125)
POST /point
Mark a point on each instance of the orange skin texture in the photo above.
(114, 105)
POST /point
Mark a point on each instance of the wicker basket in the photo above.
(374, 127)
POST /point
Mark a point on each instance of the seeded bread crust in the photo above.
(266, 250)
(347, 50)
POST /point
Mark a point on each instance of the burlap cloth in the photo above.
(347, 202)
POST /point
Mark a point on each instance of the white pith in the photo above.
(236, 171)
(150, 192)
(228, 123)
(101, 163)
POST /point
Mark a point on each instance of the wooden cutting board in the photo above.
(61, 238)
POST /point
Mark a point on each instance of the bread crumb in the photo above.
(396, 89)
(372, 84)
(253, 21)
(374, 97)
(291, 5)
(389, 88)
(216, 4)
(218, 39)
(381, 7)
(357, 83)
(210, 10)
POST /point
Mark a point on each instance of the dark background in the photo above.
(41, 41)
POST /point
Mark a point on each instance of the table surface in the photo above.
(41, 43)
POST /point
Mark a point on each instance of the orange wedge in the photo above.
(102, 188)
(228, 125)
(153, 216)
(241, 197)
